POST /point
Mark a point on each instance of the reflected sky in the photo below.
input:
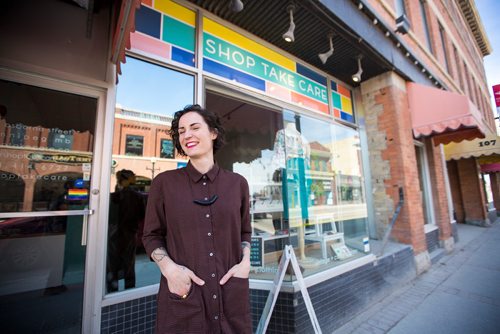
(154, 89)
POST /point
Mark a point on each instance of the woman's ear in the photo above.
(214, 133)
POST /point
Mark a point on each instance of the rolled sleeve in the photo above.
(154, 232)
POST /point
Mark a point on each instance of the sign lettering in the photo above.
(229, 54)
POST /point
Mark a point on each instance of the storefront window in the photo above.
(350, 205)
(147, 97)
(306, 185)
(46, 142)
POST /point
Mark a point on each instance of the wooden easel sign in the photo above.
(287, 258)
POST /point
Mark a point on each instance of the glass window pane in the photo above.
(351, 211)
(46, 139)
(147, 97)
(251, 151)
(153, 89)
(42, 274)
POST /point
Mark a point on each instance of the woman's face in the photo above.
(195, 136)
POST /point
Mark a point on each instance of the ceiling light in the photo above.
(375, 21)
(324, 56)
(236, 6)
(360, 6)
(356, 77)
(288, 36)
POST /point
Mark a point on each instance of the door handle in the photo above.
(85, 226)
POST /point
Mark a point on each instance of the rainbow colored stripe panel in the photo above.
(165, 29)
(233, 56)
(342, 102)
(77, 194)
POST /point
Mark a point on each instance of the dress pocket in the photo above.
(180, 315)
(235, 296)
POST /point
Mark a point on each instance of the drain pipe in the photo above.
(391, 225)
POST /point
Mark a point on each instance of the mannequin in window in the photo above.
(291, 159)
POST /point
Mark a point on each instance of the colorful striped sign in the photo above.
(77, 194)
(342, 102)
(167, 30)
(235, 57)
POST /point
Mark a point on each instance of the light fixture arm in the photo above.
(356, 77)
(289, 34)
(324, 56)
(290, 9)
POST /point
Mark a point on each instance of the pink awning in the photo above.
(446, 116)
(490, 168)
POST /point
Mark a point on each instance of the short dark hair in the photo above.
(212, 120)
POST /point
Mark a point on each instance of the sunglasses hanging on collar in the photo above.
(206, 202)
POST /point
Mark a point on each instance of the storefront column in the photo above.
(495, 190)
(393, 163)
(456, 194)
(439, 194)
(471, 189)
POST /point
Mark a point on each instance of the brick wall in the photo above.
(438, 189)
(392, 159)
(473, 197)
(456, 193)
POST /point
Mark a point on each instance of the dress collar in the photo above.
(196, 176)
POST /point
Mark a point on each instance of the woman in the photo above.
(197, 229)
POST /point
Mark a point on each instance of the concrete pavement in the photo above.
(460, 294)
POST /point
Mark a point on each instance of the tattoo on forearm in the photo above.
(245, 244)
(159, 254)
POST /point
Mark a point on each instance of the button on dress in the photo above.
(205, 239)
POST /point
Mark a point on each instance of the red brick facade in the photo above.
(438, 189)
(469, 199)
(394, 163)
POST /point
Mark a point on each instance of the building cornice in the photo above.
(471, 15)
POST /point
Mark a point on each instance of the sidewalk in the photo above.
(460, 294)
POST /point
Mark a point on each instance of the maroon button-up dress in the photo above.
(205, 239)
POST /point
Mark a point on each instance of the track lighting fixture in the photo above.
(324, 56)
(356, 77)
(288, 36)
(236, 5)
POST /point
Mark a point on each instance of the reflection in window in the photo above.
(250, 151)
(167, 149)
(47, 138)
(134, 145)
(299, 193)
(350, 198)
(147, 97)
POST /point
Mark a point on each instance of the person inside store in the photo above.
(125, 215)
(197, 229)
